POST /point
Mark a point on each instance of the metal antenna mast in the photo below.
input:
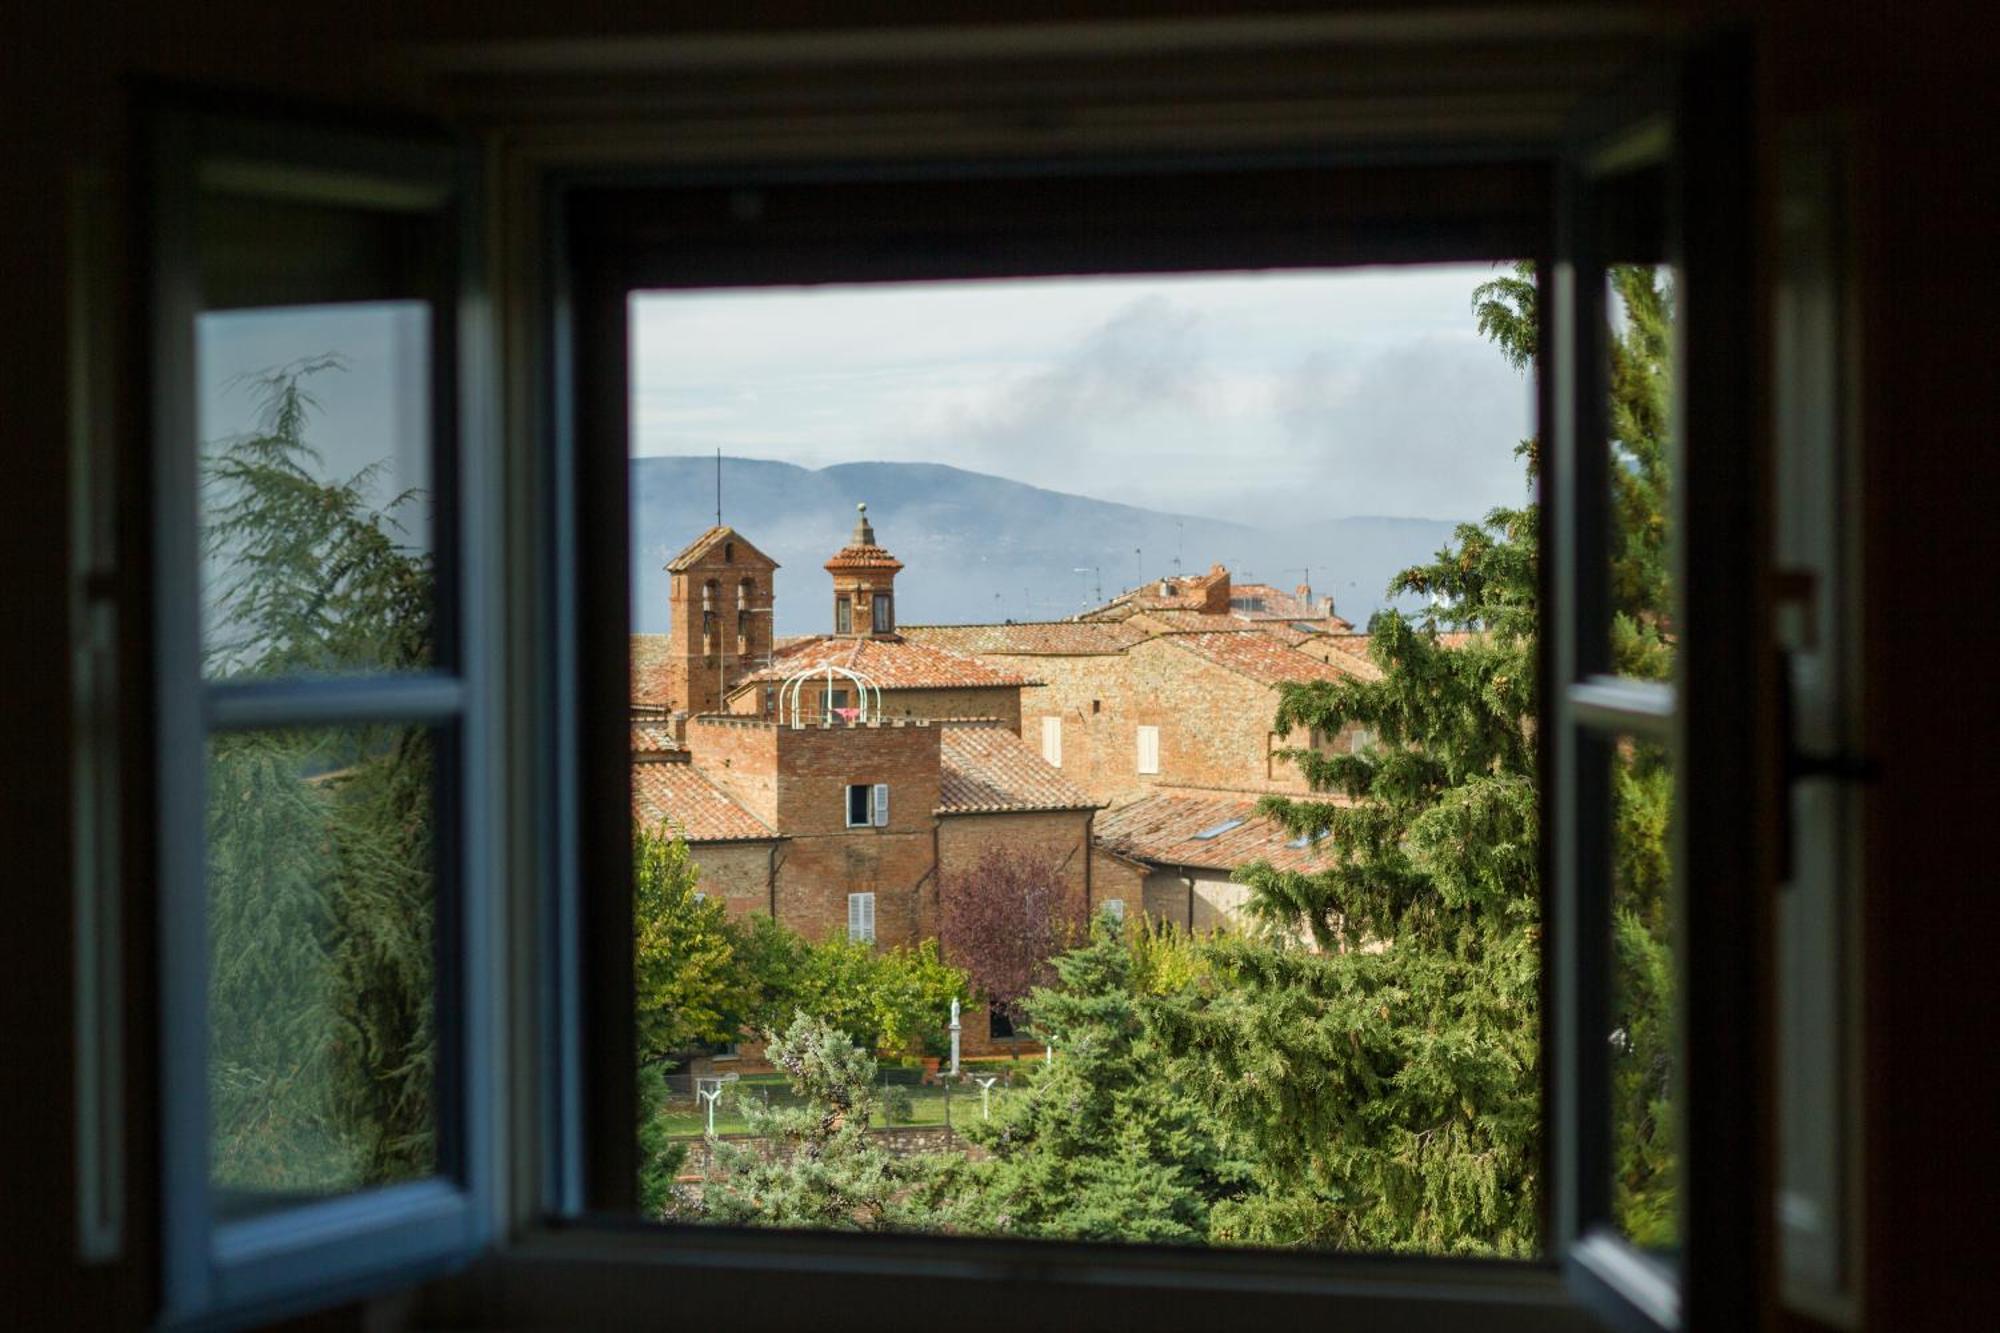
(718, 486)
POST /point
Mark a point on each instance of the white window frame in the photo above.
(1113, 908)
(1052, 740)
(861, 917)
(1147, 741)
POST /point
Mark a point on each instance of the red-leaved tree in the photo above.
(1004, 917)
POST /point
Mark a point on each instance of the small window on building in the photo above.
(883, 621)
(1149, 749)
(861, 917)
(1114, 908)
(858, 805)
(843, 616)
(729, 553)
(770, 700)
(1097, 705)
(1052, 741)
(998, 1025)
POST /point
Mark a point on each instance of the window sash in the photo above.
(1052, 741)
(289, 1257)
(1148, 741)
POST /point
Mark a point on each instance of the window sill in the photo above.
(629, 1275)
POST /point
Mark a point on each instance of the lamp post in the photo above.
(954, 1036)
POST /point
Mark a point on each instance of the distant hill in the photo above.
(981, 548)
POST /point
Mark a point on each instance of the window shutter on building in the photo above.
(861, 917)
(881, 815)
(1149, 749)
(1052, 741)
(1115, 909)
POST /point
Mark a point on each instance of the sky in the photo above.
(1276, 397)
(371, 410)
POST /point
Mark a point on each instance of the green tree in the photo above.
(1103, 1145)
(816, 1165)
(1389, 1078)
(321, 897)
(689, 984)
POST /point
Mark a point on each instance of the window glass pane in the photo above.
(317, 494)
(1116, 521)
(322, 892)
(1645, 1036)
(1639, 304)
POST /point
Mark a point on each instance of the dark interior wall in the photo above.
(1911, 83)
(1910, 90)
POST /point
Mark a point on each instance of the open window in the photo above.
(321, 651)
(1649, 190)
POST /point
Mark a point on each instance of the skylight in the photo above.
(1305, 840)
(1217, 830)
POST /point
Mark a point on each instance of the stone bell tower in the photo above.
(719, 595)
(864, 584)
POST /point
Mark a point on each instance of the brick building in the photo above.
(1187, 843)
(1125, 706)
(860, 827)
(719, 600)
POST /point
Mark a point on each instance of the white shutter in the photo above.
(861, 917)
(1115, 909)
(881, 818)
(1149, 749)
(1052, 740)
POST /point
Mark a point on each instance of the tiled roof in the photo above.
(1036, 638)
(862, 555)
(680, 797)
(700, 546)
(1161, 828)
(986, 769)
(892, 664)
(1259, 657)
(1184, 592)
(651, 655)
(652, 738)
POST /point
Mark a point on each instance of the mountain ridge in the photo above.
(979, 548)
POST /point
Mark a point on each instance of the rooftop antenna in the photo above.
(718, 486)
(1139, 563)
(1180, 534)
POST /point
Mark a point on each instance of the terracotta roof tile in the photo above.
(892, 664)
(1259, 656)
(1034, 638)
(862, 555)
(680, 797)
(695, 549)
(652, 738)
(651, 655)
(1161, 828)
(988, 769)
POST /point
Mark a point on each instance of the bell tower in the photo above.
(719, 596)
(864, 584)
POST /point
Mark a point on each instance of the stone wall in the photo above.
(737, 873)
(896, 1140)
